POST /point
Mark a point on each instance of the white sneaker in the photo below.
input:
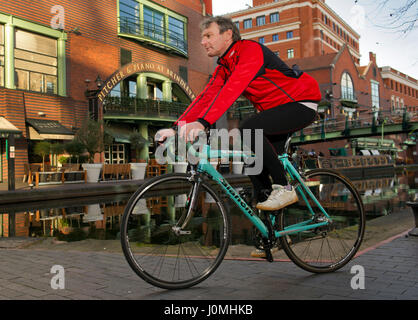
(279, 198)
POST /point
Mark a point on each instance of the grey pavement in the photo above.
(390, 273)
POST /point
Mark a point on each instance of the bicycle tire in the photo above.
(337, 242)
(152, 254)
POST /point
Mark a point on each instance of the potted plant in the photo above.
(56, 150)
(43, 149)
(91, 136)
(137, 143)
(75, 149)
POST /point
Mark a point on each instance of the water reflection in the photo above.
(80, 219)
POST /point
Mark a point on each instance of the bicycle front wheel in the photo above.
(330, 247)
(157, 248)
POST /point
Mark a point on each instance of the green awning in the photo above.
(119, 135)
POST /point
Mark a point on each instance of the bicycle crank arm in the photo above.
(179, 232)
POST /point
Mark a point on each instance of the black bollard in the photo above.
(414, 206)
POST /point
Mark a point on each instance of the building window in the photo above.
(237, 24)
(36, 61)
(393, 103)
(261, 40)
(261, 21)
(289, 35)
(275, 37)
(248, 23)
(1, 55)
(274, 17)
(290, 53)
(375, 96)
(347, 88)
(153, 22)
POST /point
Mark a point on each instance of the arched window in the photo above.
(347, 89)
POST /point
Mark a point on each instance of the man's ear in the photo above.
(228, 34)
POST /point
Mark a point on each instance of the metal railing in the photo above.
(142, 107)
(146, 29)
(345, 124)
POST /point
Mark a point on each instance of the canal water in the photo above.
(99, 218)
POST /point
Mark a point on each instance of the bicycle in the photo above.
(175, 229)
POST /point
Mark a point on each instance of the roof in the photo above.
(44, 126)
(6, 128)
(313, 63)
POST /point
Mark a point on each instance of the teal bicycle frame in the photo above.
(205, 167)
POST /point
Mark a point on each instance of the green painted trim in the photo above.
(155, 76)
(354, 132)
(62, 69)
(162, 9)
(167, 13)
(12, 22)
(133, 117)
(32, 26)
(155, 42)
(9, 59)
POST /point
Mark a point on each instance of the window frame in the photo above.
(373, 96)
(347, 87)
(290, 53)
(163, 38)
(10, 24)
(274, 14)
(260, 21)
(289, 34)
(248, 23)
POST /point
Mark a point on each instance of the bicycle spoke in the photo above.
(158, 250)
(328, 247)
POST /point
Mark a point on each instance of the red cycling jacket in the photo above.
(250, 69)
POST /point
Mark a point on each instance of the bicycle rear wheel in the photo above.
(162, 254)
(327, 248)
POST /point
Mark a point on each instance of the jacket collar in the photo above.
(226, 52)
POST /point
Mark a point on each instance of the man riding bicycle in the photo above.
(286, 99)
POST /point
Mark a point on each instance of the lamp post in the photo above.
(91, 95)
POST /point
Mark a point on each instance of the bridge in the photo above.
(365, 126)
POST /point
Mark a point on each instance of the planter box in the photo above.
(180, 167)
(237, 167)
(138, 170)
(92, 171)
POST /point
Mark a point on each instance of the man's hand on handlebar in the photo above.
(163, 134)
(190, 131)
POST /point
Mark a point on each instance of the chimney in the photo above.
(372, 57)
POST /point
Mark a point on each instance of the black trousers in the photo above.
(277, 124)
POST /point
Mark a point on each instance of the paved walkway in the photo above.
(390, 273)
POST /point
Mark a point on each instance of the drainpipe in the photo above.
(332, 66)
(202, 2)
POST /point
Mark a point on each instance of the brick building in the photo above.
(51, 54)
(403, 89)
(311, 35)
(297, 28)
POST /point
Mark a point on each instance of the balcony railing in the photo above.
(145, 30)
(143, 108)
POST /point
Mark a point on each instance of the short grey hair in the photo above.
(224, 24)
